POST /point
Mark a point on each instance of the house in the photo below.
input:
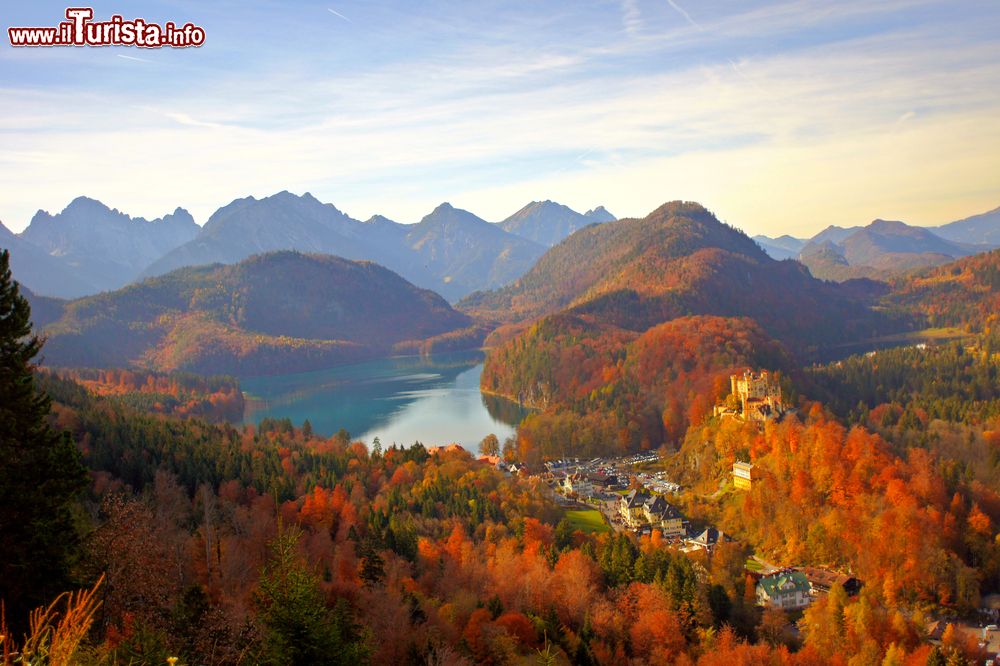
(631, 507)
(785, 589)
(654, 508)
(706, 540)
(821, 580)
(579, 484)
(672, 523)
(935, 629)
(603, 480)
(742, 475)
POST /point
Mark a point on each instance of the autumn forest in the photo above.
(143, 523)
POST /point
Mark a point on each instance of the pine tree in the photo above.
(298, 627)
(40, 470)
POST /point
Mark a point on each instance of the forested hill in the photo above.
(963, 293)
(679, 260)
(280, 312)
(599, 258)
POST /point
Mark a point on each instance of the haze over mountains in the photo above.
(90, 248)
(450, 251)
(982, 229)
(34, 266)
(547, 222)
(884, 248)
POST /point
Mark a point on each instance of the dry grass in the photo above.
(55, 632)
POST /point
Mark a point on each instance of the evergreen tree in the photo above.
(40, 470)
(298, 627)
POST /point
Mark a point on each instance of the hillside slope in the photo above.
(964, 293)
(281, 312)
(626, 332)
(678, 260)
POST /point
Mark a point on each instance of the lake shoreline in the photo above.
(434, 399)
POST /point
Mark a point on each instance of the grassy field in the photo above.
(587, 521)
(914, 337)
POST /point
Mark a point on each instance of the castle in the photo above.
(754, 397)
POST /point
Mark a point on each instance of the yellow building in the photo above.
(672, 523)
(742, 475)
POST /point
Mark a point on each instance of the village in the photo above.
(632, 496)
(629, 494)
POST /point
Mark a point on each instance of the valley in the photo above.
(500, 333)
(584, 445)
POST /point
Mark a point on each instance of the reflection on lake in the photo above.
(430, 399)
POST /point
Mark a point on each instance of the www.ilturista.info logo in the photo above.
(81, 30)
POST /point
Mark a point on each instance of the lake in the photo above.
(431, 399)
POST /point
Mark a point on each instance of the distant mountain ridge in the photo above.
(982, 229)
(600, 214)
(103, 247)
(279, 312)
(782, 247)
(35, 268)
(880, 250)
(450, 251)
(886, 248)
(547, 222)
(89, 247)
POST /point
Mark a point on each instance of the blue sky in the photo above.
(782, 117)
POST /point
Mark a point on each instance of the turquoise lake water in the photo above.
(431, 399)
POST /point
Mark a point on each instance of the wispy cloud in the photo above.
(506, 112)
(743, 75)
(185, 119)
(631, 16)
(339, 15)
(135, 58)
(687, 17)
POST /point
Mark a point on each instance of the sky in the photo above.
(780, 117)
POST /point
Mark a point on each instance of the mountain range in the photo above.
(883, 248)
(617, 329)
(679, 260)
(982, 229)
(34, 266)
(547, 222)
(279, 312)
(89, 248)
